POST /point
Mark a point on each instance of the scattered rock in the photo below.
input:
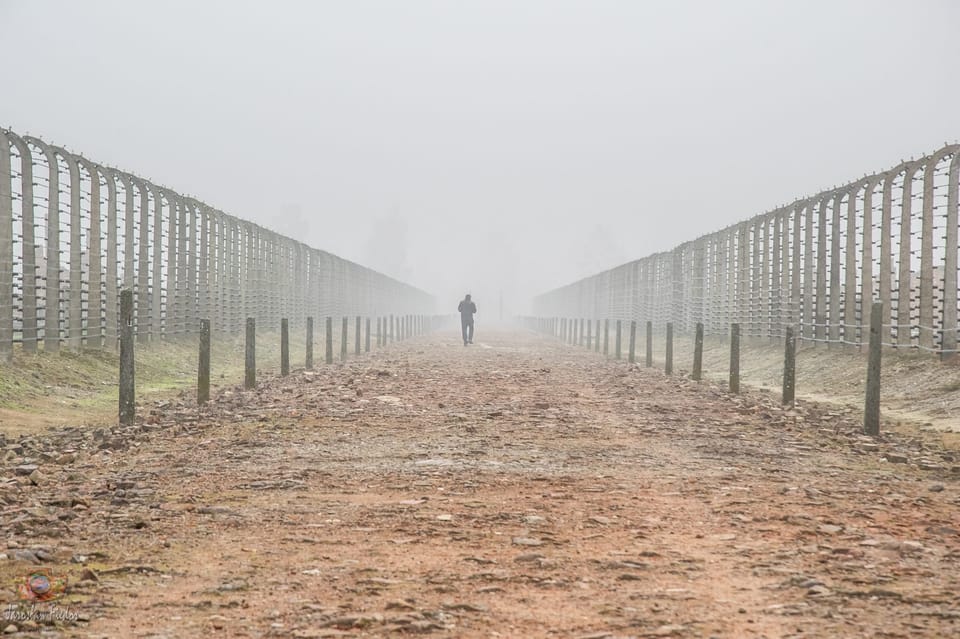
(527, 541)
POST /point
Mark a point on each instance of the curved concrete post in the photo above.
(111, 299)
(809, 316)
(94, 264)
(188, 261)
(950, 337)
(203, 266)
(6, 249)
(171, 325)
(184, 237)
(793, 317)
(821, 314)
(51, 304)
(778, 269)
(885, 277)
(762, 271)
(156, 273)
(29, 248)
(834, 317)
(197, 244)
(74, 261)
(850, 325)
(129, 246)
(143, 260)
(866, 255)
(927, 332)
(904, 292)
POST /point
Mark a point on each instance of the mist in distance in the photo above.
(487, 147)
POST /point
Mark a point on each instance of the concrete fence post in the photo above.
(366, 346)
(606, 337)
(632, 356)
(344, 328)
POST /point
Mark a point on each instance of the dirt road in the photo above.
(515, 488)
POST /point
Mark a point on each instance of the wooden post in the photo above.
(698, 353)
(649, 361)
(344, 328)
(606, 337)
(250, 355)
(284, 347)
(308, 364)
(203, 367)
(789, 368)
(735, 358)
(366, 345)
(632, 356)
(618, 339)
(871, 409)
(356, 337)
(128, 407)
(329, 340)
(668, 366)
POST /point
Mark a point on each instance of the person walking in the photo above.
(467, 308)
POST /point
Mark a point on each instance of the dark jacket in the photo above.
(467, 308)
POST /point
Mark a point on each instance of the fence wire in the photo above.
(73, 233)
(816, 265)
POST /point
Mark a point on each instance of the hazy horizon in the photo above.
(487, 146)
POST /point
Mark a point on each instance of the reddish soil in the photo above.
(515, 488)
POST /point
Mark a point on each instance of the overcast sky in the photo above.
(485, 146)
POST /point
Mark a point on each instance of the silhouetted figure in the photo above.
(467, 308)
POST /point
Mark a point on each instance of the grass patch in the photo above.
(44, 389)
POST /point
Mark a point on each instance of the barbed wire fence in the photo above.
(815, 265)
(73, 233)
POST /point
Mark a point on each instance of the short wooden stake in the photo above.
(649, 355)
(308, 363)
(871, 409)
(668, 366)
(698, 353)
(203, 365)
(735, 358)
(250, 355)
(128, 406)
(789, 368)
(329, 340)
(284, 347)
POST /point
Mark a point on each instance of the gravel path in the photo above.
(515, 488)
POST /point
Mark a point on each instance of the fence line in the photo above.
(74, 232)
(815, 265)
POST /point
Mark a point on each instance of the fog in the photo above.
(487, 147)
